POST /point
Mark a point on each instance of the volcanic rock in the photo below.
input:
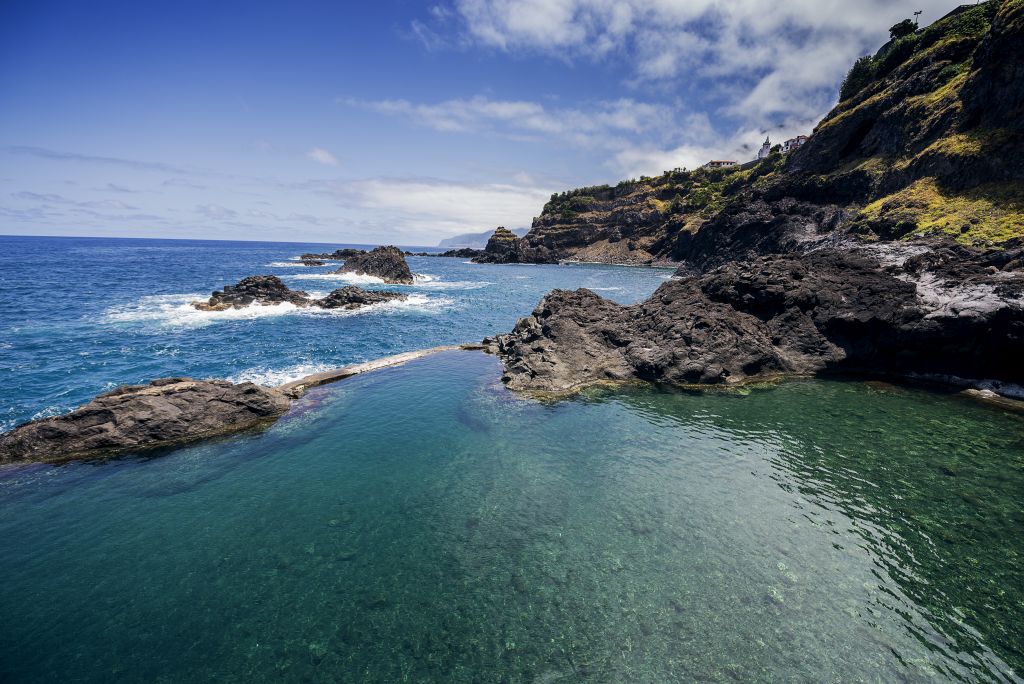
(135, 417)
(961, 315)
(261, 289)
(386, 263)
(352, 297)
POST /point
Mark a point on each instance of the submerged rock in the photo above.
(947, 312)
(387, 263)
(352, 297)
(133, 417)
(261, 289)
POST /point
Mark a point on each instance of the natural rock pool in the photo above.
(421, 523)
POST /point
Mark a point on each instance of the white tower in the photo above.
(766, 149)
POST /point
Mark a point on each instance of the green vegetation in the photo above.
(904, 28)
(968, 24)
(986, 215)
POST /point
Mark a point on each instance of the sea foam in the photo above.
(177, 311)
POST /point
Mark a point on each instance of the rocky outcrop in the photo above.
(505, 247)
(260, 289)
(271, 290)
(927, 139)
(312, 262)
(947, 311)
(463, 253)
(336, 255)
(355, 297)
(386, 263)
(133, 417)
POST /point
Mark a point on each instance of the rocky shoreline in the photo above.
(946, 311)
(171, 412)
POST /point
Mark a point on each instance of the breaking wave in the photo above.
(272, 377)
(176, 310)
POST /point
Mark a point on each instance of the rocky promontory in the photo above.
(268, 290)
(164, 412)
(387, 263)
(940, 310)
(336, 255)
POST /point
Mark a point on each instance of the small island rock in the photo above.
(387, 263)
(260, 289)
(352, 297)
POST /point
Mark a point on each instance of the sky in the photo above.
(392, 121)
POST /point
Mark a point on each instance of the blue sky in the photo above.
(391, 121)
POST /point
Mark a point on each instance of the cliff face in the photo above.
(927, 139)
(891, 242)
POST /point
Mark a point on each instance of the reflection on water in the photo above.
(422, 524)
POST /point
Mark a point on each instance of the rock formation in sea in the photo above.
(265, 290)
(387, 263)
(352, 297)
(463, 253)
(336, 255)
(164, 412)
(505, 247)
(916, 309)
(259, 289)
(927, 139)
(312, 262)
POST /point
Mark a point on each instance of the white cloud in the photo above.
(759, 67)
(322, 156)
(430, 207)
(480, 113)
(216, 212)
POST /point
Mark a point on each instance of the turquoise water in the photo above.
(79, 316)
(421, 524)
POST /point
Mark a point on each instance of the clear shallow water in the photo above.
(81, 315)
(422, 524)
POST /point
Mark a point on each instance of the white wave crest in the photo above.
(604, 289)
(177, 310)
(351, 278)
(288, 264)
(272, 377)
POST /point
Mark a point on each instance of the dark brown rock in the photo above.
(261, 289)
(354, 297)
(165, 412)
(336, 255)
(386, 263)
(782, 315)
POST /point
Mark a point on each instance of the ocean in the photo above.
(420, 523)
(82, 315)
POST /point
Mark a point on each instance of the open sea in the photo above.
(422, 524)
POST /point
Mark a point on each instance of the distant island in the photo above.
(475, 240)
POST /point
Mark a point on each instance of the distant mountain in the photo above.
(475, 240)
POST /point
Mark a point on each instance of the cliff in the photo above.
(890, 242)
(927, 139)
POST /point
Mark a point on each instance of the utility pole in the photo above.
(916, 15)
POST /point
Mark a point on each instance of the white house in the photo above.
(793, 143)
(719, 163)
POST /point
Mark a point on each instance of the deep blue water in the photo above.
(423, 524)
(81, 315)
